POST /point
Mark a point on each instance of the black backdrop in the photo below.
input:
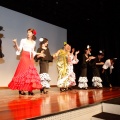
(100, 35)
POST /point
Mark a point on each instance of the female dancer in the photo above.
(96, 67)
(85, 61)
(26, 77)
(62, 66)
(72, 59)
(44, 64)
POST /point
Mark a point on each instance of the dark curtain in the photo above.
(103, 37)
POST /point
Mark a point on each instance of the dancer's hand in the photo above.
(77, 52)
(54, 55)
(14, 41)
(40, 55)
(91, 57)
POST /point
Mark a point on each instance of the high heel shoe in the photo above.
(22, 93)
(43, 91)
(63, 89)
(70, 88)
(30, 93)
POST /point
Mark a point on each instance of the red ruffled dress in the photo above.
(26, 76)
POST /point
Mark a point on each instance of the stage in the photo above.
(16, 107)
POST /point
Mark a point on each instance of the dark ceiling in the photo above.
(68, 14)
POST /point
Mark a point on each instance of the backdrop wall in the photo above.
(15, 25)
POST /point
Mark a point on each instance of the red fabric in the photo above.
(26, 76)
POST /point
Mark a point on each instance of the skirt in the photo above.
(26, 76)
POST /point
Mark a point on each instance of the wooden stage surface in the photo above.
(16, 107)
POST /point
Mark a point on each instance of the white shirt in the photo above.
(107, 65)
(26, 47)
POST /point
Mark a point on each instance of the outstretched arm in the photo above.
(75, 59)
(16, 44)
(56, 54)
(100, 63)
(41, 54)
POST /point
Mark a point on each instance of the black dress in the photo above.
(96, 79)
(83, 74)
(44, 67)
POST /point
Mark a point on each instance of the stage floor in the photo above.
(16, 107)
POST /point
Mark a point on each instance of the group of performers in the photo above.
(101, 70)
(27, 78)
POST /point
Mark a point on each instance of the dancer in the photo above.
(85, 61)
(44, 64)
(96, 68)
(1, 36)
(1, 53)
(62, 66)
(72, 59)
(26, 77)
(107, 70)
(100, 62)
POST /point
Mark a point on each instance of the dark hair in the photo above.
(113, 59)
(100, 52)
(43, 42)
(33, 31)
(87, 47)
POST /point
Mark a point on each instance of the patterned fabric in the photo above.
(63, 83)
(62, 67)
(71, 74)
(97, 81)
(26, 76)
(71, 79)
(45, 79)
(83, 82)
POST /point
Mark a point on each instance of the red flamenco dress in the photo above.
(26, 76)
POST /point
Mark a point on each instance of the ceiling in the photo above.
(68, 14)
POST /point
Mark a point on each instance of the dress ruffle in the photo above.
(97, 81)
(67, 81)
(45, 79)
(26, 76)
(63, 82)
(71, 79)
(45, 76)
(71, 75)
(83, 79)
(28, 80)
(83, 82)
(97, 84)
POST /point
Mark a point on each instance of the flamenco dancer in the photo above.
(26, 77)
(86, 58)
(44, 64)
